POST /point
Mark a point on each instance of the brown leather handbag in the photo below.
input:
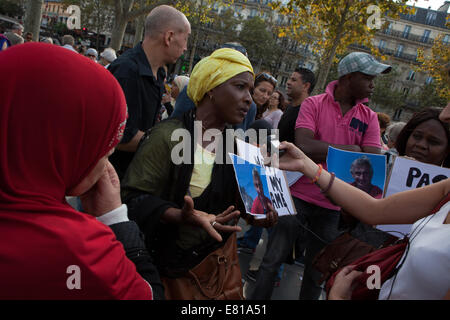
(342, 251)
(217, 277)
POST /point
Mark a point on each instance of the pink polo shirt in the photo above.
(322, 115)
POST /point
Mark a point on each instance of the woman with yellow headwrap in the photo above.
(184, 196)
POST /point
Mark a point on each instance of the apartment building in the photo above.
(402, 38)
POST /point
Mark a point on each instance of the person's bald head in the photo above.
(164, 18)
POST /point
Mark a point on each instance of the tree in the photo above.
(11, 8)
(427, 96)
(436, 65)
(385, 95)
(259, 43)
(199, 14)
(33, 16)
(335, 24)
(225, 25)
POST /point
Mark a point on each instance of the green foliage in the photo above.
(384, 94)
(11, 8)
(61, 28)
(334, 24)
(259, 42)
(427, 96)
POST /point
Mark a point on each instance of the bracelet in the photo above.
(330, 183)
(319, 172)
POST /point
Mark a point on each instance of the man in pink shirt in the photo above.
(336, 118)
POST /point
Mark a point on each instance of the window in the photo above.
(405, 91)
(431, 17)
(382, 45)
(406, 32)
(429, 80)
(399, 50)
(446, 39)
(389, 28)
(426, 35)
(411, 76)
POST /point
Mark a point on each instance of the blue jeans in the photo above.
(323, 222)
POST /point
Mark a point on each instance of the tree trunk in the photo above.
(328, 61)
(139, 30)
(194, 47)
(118, 32)
(33, 15)
(325, 69)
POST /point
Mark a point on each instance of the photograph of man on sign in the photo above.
(362, 173)
(261, 202)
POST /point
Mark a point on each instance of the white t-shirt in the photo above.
(425, 274)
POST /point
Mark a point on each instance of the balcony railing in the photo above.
(407, 36)
(400, 55)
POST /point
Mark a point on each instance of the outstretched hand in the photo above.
(211, 223)
(293, 159)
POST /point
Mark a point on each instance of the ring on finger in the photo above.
(213, 223)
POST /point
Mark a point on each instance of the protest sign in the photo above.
(253, 155)
(259, 185)
(409, 174)
(365, 171)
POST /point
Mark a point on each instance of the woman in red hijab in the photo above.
(61, 115)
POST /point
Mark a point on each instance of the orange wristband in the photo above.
(319, 172)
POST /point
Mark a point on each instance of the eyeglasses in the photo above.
(267, 77)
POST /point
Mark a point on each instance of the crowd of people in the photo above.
(101, 127)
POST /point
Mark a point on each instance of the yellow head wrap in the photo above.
(220, 66)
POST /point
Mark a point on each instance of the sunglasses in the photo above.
(267, 77)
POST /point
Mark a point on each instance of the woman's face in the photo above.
(91, 179)
(262, 92)
(428, 143)
(232, 98)
(274, 100)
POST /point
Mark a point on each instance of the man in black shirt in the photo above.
(299, 86)
(141, 75)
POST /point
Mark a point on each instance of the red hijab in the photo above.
(59, 114)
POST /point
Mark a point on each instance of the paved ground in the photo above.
(291, 281)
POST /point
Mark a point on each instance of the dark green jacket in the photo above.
(154, 183)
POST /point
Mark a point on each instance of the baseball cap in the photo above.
(92, 52)
(109, 54)
(361, 62)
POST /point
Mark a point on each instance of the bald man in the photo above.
(140, 72)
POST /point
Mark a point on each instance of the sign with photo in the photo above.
(365, 171)
(407, 174)
(260, 185)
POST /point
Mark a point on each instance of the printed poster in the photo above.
(259, 185)
(409, 174)
(366, 171)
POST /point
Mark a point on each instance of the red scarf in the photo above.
(59, 114)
